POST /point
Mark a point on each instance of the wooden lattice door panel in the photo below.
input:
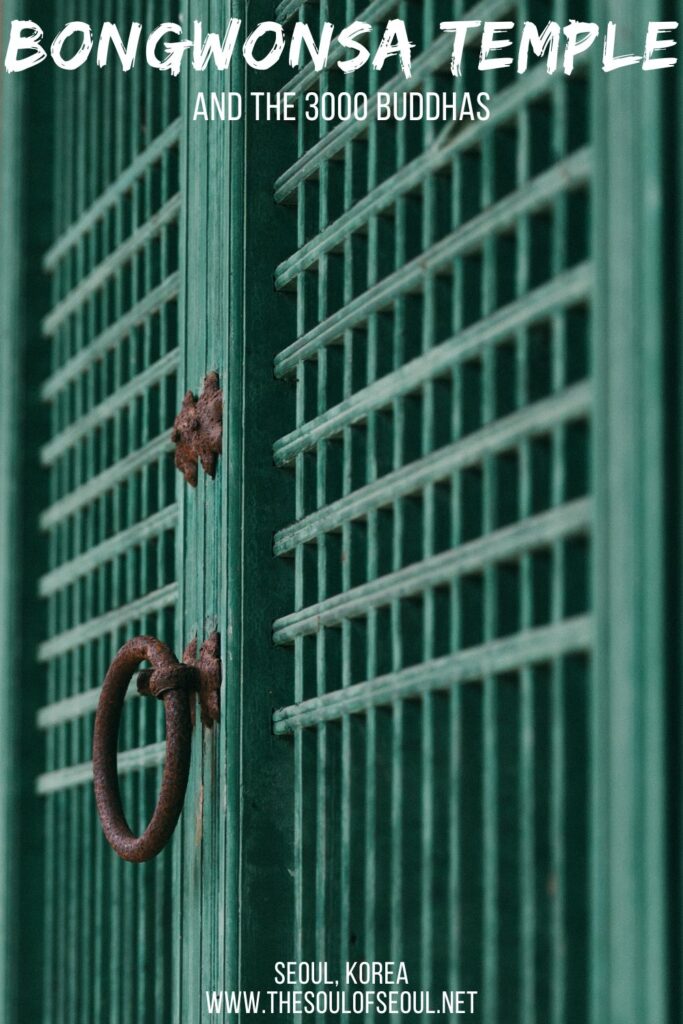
(111, 520)
(441, 626)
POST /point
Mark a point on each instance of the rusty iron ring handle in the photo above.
(170, 681)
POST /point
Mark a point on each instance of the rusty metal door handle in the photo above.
(174, 683)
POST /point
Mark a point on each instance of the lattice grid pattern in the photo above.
(112, 515)
(441, 549)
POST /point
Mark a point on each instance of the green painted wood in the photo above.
(443, 291)
(673, 241)
(111, 522)
(630, 821)
(10, 354)
(442, 732)
(228, 859)
(22, 219)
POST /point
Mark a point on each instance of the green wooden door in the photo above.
(434, 550)
(441, 545)
(112, 522)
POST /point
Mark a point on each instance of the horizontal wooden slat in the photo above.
(500, 217)
(572, 287)
(151, 756)
(113, 262)
(105, 481)
(122, 397)
(166, 292)
(111, 196)
(156, 601)
(114, 546)
(72, 708)
(539, 418)
(511, 542)
(500, 656)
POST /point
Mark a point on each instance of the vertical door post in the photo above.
(629, 821)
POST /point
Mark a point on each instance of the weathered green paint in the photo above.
(235, 906)
(439, 708)
(444, 697)
(630, 821)
(10, 351)
(110, 520)
(23, 227)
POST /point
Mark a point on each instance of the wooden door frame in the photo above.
(25, 143)
(233, 918)
(11, 336)
(628, 775)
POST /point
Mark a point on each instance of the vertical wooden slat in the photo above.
(11, 112)
(629, 808)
